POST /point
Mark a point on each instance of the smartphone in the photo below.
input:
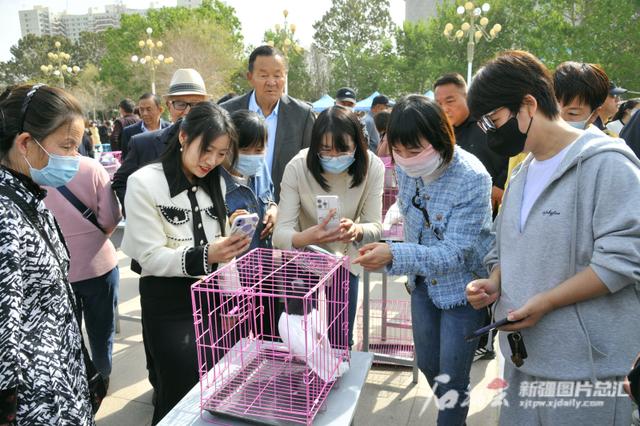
(245, 224)
(486, 329)
(324, 205)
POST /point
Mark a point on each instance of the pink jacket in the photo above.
(92, 253)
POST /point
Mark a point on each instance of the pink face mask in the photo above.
(419, 165)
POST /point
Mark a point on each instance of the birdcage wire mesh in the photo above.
(390, 330)
(271, 334)
(392, 219)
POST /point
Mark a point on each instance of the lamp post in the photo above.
(148, 57)
(473, 28)
(58, 65)
(282, 37)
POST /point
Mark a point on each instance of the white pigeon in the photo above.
(317, 354)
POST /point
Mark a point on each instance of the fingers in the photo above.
(328, 218)
(367, 248)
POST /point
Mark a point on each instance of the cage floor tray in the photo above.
(391, 349)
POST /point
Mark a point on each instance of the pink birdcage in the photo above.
(390, 330)
(271, 334)
(392, 219)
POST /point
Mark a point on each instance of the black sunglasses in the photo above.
(182, 105)
(415, 201)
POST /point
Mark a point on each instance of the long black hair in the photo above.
(208, 120)
(338, 122)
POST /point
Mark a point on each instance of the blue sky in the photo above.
(301, 12)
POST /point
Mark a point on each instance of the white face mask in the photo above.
(578, 124)
(423, 164)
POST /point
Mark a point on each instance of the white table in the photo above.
(341, 402)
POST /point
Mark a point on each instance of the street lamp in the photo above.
(282, 37)
(58, 65)
(474, 28)
(147, 57)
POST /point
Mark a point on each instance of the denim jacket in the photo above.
(255, 197)
(449, 253)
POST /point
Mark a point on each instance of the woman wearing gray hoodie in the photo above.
(565, 268)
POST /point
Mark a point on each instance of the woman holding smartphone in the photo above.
(336, 163)
(176, 227)
(445, 199)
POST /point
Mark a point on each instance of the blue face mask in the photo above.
(337, 165)
(250, 165)
(59, 171)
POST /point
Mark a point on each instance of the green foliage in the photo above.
(356, 37)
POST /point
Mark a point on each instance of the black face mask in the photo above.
(507, 140)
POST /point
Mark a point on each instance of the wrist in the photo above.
(299, 239)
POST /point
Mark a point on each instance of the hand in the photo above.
(225, 249)
(236, 214)
(529, 314)
(374, 256)
(317, 234)
(496, 197)
(269, 221)
(349, 231)
(627, 385)
(481, 293)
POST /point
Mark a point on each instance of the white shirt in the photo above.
(538, 176)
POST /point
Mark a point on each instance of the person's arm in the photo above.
(615, 262)
(145, 239)
(11, 282)
(461, 236)
(115, 135)
(288, 210)
(128, 167)
(108, 210)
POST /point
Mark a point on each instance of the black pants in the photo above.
(167, 322)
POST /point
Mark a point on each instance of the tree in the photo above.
(126, 78)
(91, 92)
(353, 34)
(28, 56)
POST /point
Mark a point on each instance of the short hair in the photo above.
(451, 78)
(127, 105)
(226, 98)
(251, 129)
(381, 121)
(416, 116)
(156, 98)
(586, 82)
(507, 79)
(265, 50)
(338, 121)
(37, 109)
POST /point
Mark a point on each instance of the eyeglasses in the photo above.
(486, 124)
(182, 105)
(415, 202)
(25, 104)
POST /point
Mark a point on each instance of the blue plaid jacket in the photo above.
(448, 254)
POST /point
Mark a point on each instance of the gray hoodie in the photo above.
(587, 216)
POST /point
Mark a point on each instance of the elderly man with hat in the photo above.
(609, 108)
(186, 89)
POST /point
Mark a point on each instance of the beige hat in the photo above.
(186, 81)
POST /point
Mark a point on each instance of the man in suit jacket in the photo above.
(186, 89)
(289, 121)
(150, 111)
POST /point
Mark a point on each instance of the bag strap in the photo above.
(85, 211)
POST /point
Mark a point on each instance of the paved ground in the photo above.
(389, 398)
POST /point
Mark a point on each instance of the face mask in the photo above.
(59, 171)
(337, 165)
(423, 164)
(580, 125)
(507, 140)
(249, 165)
(615, 126)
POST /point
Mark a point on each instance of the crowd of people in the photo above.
(516, 193)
